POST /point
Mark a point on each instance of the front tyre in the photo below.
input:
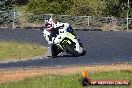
(55, 50)
(70, 49)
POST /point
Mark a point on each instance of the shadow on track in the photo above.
(62, 56)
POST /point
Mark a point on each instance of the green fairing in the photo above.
(69, 34)
(66, 40)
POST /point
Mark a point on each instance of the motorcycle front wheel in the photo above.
(70, 49)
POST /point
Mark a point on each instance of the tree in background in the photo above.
(88, 7)
(112, 7)
(6, 7)
(117, 8)
(68, 7)
(49, 6)
(21, 2)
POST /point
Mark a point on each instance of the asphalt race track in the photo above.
(101, 47)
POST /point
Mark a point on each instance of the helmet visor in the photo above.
(49, 25)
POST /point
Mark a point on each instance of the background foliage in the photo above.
(6, 7)
(98, 8)
(115, 8)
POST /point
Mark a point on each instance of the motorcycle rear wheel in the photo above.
(83, 53)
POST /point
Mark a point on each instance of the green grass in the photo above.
(67, 81)
(16, 50)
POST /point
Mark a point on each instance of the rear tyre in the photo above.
(70, 49)
(84, 51)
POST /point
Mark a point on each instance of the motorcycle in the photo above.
(65, 43)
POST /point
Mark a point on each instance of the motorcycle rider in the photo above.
(51, 32)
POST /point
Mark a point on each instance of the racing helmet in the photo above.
(49, 23)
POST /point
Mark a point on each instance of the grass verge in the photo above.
(16, 50)
(62, 77)
(66, 81)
